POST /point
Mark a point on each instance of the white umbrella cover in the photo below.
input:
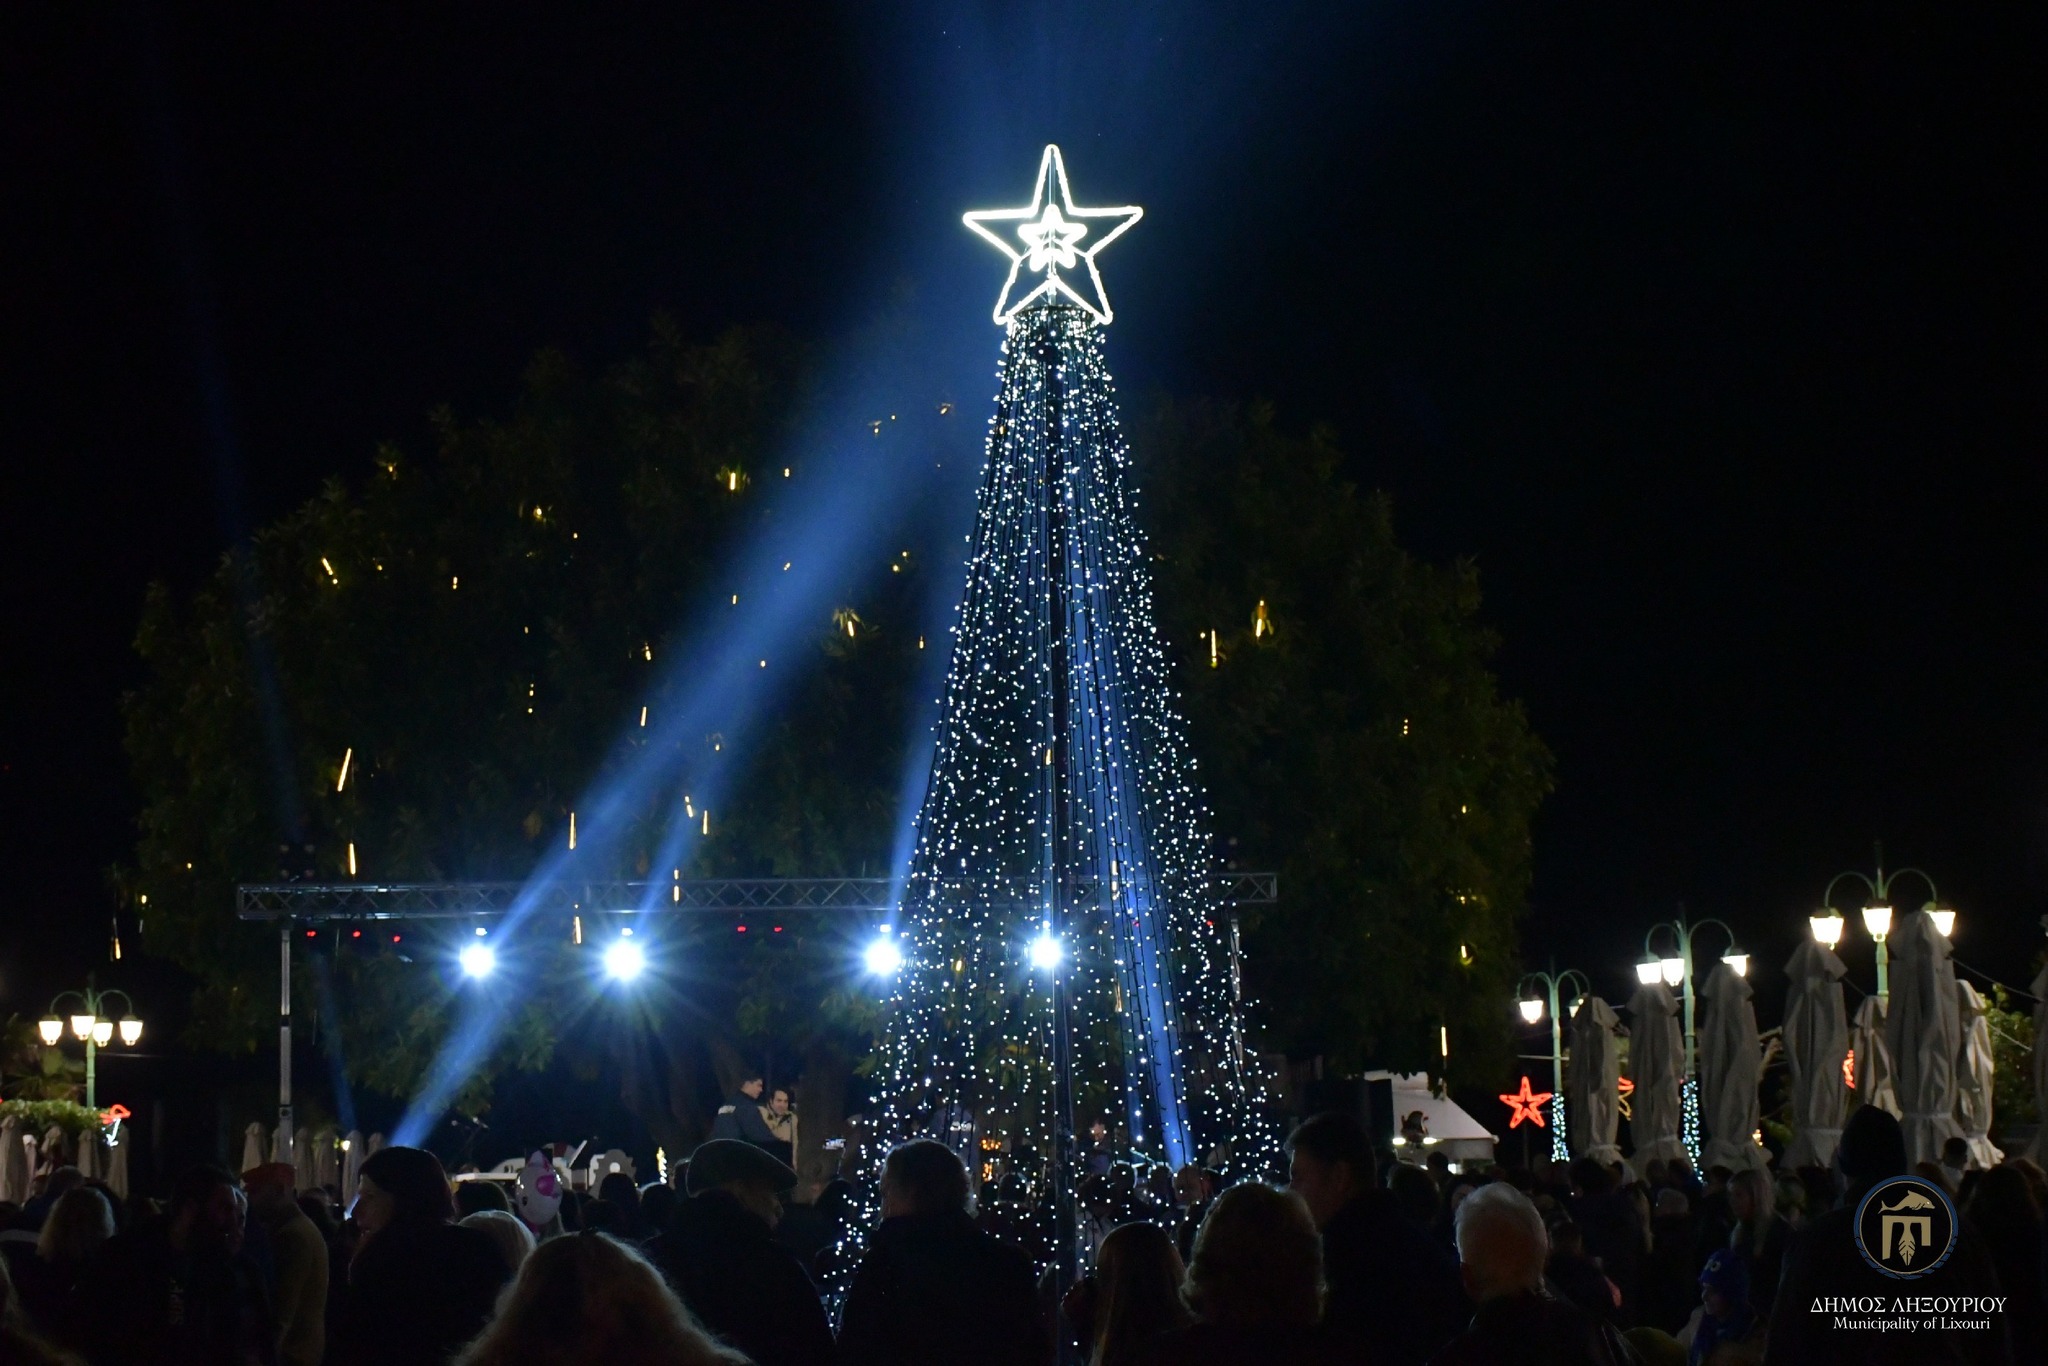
(117, 1163)
(302, 1162)
(1874, 1082)
(88, 1160)
(1973, 1079)
(2040, 1057)
(1591, 1082)
(1924, 1028)
(351, 1165)
(13, 1172)
(1731, 1059)
(56, 1148)
(326, 1144)
(255, 1147)
(1657, 1058)
(1816, 1036)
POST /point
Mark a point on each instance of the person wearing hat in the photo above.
(1727, 1331)
(299, 1257)
(720, 1255)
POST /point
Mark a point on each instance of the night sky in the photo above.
(1712, 332)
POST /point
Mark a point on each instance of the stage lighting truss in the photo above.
(316, 902)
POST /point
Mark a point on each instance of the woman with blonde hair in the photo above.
(1255, 1284)
(591, 1300)
(1137, 1293)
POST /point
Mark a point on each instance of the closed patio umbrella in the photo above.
(325, 1170)
(1731, 1057)
(1816, 1035)
(1657, 1058)
(352, 1156)
(13, 1162)
(2040, 1064)
(1592, 1082)
(255, 1147)
(1924, 1028)
(1973, 1079)
(1873, 1067)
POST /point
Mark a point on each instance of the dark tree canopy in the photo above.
(1356, 741)
(477, 631)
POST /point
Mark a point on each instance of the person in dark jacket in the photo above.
(1502, 1247)
(740, 1116)
(180, 1290)
(1614, 1231)
(1393, 1288)
(1823, 1260)
(720, 1256)
(934, 1289)
(420, 1285)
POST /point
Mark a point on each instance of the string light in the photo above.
(1154, 1024)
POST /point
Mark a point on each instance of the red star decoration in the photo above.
(1526, 1105)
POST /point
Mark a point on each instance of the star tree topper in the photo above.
(1049, 238)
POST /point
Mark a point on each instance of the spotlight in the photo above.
(1046, 952)
(883, 958)
(624, 960)
(478, 960)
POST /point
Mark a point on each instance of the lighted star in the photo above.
(1048, 238)
(1526, 1105)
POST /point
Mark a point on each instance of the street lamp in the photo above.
(93, 1026)
(1827, 922)
(1573, 983)
(1675, 969)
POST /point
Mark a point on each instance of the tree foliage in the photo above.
(1353, 738)
(476, 632)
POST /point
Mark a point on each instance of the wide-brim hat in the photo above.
(733, 1159)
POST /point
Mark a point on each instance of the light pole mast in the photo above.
(1877, 914)
(1675, 970)
(1554, 982)
(92, 1027)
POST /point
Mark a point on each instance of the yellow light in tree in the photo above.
(572, 829)
(707, 820)
(647, 651)
(1213, 659)
(576, 929)
(643, 718)
(347, 757)
(1262, 624)
(351, 858)
(329, 568)
(454, 582)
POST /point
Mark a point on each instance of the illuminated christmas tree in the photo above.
(1061, 893)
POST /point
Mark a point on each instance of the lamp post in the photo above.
(1828, 923)
(91, 1025)
(1532, 1007)
(1675, 970)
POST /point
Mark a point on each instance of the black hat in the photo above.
(733, 1159)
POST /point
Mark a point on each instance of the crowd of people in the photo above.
(1355, 1258)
